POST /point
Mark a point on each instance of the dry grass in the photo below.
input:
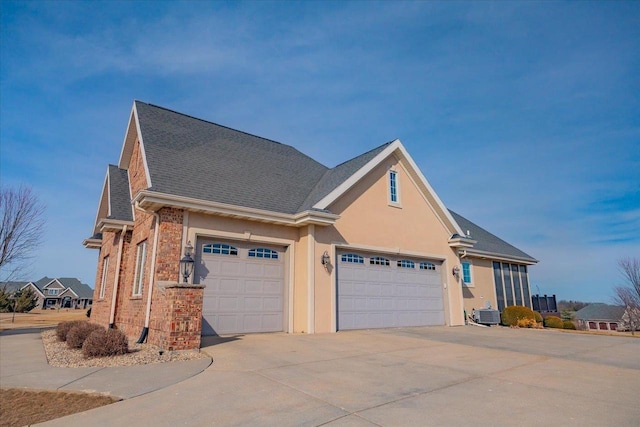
(40, 318)
(26, 407)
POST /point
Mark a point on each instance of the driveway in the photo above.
(412, 376)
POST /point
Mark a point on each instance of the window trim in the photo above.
(222, 249)
(263, 253)
(379, 260)
(405, 263)
(138, 279)
(427, 266)
(470, 264)
(105, 272)
(352, 258)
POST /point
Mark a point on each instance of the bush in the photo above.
(511, 315)
(553, 322)
(105, 342)
(63, 328)
(539, 318)
(568, 324)
(79, 333)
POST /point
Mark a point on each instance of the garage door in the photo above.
(378, 291)
(244, 287)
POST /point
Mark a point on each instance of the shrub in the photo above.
(63, 328)
(105, 342)
(568, 324)
(79, 333)
(539, 318)
(511, 315)
(553, 322)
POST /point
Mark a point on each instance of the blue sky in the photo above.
(524, 117)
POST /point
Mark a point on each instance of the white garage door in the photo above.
(378, 291)
(244, 287)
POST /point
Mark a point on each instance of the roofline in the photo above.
(113, 224)
(92, 243)
(68, 288)
(33, 285)
(396, 145)
(152, 200)
(54, 280)
(500, 257)
(127, 147)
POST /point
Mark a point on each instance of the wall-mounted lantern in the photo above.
(187, 263)
(326, 259)
(456, 271)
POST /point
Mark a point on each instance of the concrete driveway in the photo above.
(414, 376)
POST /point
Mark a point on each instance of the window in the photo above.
(512, 286)
(263, 253)
(103, 282)
(52, 291)
(427, 266)
(393, 186)
(378, 260)
(405, 263)
(219, 248)
(51, 302)
(466, 273)
(138, 280)
(352, 258)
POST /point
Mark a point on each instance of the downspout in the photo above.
(145, 330)
(116, 280)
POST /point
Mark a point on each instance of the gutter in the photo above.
(116, 280)
(145, 329)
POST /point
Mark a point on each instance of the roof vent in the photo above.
(468, 234)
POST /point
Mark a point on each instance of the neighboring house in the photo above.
(64, 292)
(601, 317)
(282, 243)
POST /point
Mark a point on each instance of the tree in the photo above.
(24, 300)
(21, 228)
(6, 303)
(628, 295)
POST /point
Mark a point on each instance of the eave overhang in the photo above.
(497, 257)
(107, 224)
(461, 242)
(152, 201)
(92, 243)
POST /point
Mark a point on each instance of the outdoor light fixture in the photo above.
(326, 259)
(186, 263)
(456, 271)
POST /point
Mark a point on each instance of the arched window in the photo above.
(219, 248)
(263, 253)
(427, 266)
(378, 260)
(352, 258)
(405, 263)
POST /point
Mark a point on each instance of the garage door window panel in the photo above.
(429, 266)
(263, 253)
(220, 249)
(378, 260)
(352, 258)
(405, 263)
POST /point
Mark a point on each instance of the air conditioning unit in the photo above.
(486, 316)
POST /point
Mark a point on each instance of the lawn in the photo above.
(40, 318)
(26, 407)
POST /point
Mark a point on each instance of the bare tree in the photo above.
(21, 228)
(629, 294)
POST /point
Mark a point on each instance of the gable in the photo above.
(54, 284)
(68, 292)
(368, 217)
(33, 287)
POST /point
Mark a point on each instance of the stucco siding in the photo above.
(482, 290)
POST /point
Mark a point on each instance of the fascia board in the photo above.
(68, 289)
(34, 287)
(443, 210)
(110, 224)
(92, 243)
(353, 179)
(500, 257)
(129, 140)
(362, 172)
(145, 197)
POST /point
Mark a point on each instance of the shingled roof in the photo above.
(119, 198)
(488, 242)
(194, 158)
(600, 311)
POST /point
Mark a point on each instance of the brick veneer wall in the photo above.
(181, 317)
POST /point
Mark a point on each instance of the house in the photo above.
(64, 292)
(601, 317)
(280, 241)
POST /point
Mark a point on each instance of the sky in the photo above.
(523, 116)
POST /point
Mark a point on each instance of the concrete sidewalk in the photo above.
(23, 364)
(398, 377)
